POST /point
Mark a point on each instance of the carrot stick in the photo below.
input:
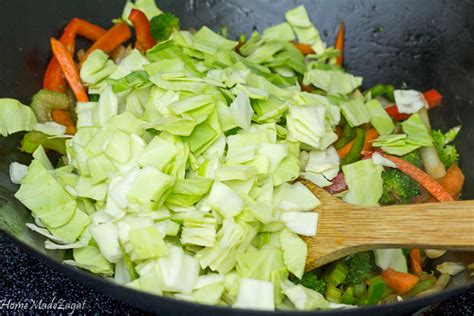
(370, 135)
(415, 260)
(304, 48)
(340, 43)
(54, 79)
(399, 281)
(64, 118)
(452, 182)
(69, 70)
(142, 28)
(88, 30)
(422, 178)
(113, 38)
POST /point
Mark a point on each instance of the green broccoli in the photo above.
(361, 266)
(398, 188)
(414, 158)
(163, 25)
(311, 281)
(448, 154)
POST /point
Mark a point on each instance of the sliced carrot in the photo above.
(415, 261)
(304, 48)
(345, 150)
(340, 43)
(422, 178)
(142, 28)
(452, 182)
(88, 30)
(69, 70)
(112, 39)
(432, 97)
(54, 79)
(63, 117)
(399, 281)
(370, 135)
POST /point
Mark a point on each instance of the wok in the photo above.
(420, 43)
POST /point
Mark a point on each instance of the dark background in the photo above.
(422, 44)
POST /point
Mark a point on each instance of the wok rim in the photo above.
(84, 278)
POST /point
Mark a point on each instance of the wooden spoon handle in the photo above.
(443, 225)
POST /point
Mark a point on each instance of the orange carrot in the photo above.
(54, 79)
(345, 150)
(64, 118)
(113, 38)
(304, 48)
(340, 43)
(452, 182)
(422, 178)
(399, 281)
(370, 135)
(415, 261)
(142, 29)
(69, 70)
(88, 30)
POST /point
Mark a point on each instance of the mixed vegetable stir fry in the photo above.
(171, 164)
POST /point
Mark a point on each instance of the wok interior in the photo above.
(423, 44)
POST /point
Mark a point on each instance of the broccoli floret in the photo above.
(414, 158)
(311, 281)
(163, 25)
(398, 188)
(361, 266)
(448, 154)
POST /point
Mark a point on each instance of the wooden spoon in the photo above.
(344, 229)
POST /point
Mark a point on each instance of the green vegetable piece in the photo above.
(360, 289)
(360, 266)
(382, 90)
(348, 296)
(356, 149)
(414, 158)
(32, 140)
(333, 294)
(128, 263)
(375, 292)
(311, 281)
(448, 154)
(147, 243)
(422, 286)
(15, 117)
(44, 101)
(349, 133)
(398, 188)
(91, 259)
(336, 274)
(163, 25)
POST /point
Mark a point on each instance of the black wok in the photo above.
(420, 43)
